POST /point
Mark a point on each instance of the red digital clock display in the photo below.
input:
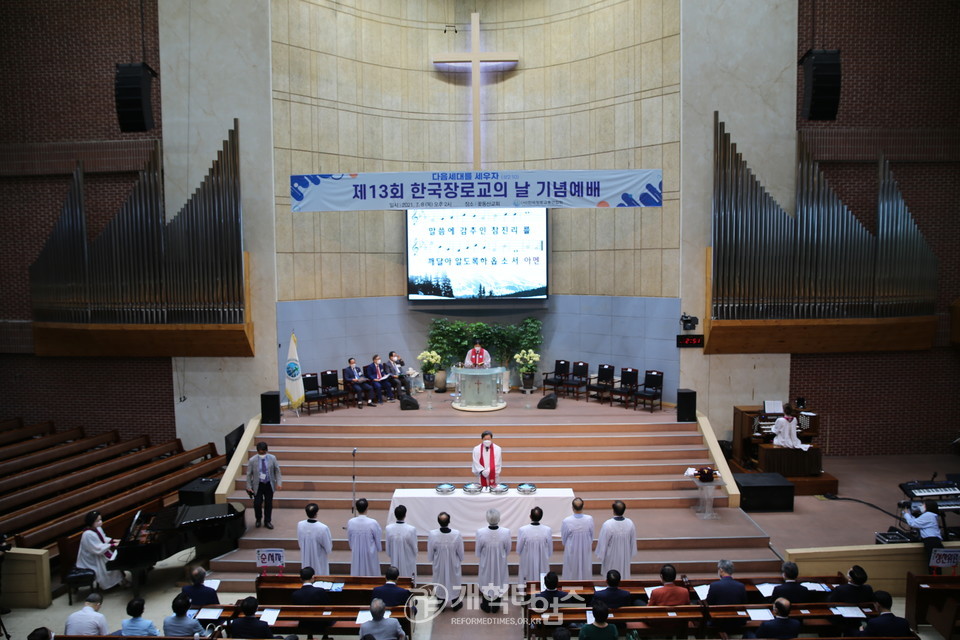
(690, 340)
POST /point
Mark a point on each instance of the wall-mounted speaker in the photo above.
(132, 94)
(821, 84)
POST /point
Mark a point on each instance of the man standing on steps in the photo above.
(534, 546)
(263, 478)
(617, 542)
(315, 542)
(363, 534)
(576, 533)
(488, 461)
(445, 551)
(400, 539)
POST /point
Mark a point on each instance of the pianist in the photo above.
(96, 549)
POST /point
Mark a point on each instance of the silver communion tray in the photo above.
(445, 488)
(526, 488)
(472, 487)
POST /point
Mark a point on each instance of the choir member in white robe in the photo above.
(445, 551)
(785, 429)
(576, 533)
(534, 546)
(315, 542)
(617, 542)
(493, 547)
(363, 534)
(400, 539)
(96, 549)
(487, 460)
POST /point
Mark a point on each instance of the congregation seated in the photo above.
(380, 627)
(391, 594)
(309, 593)
(88, 621)
(551, 594)
(886, 625)
(782, 627)
(179, 624)
(136, 624)
(670, 593)
(613, 595)
(200, 594)
(856, 590)
(791, 589)
(599, 629)
(248, 625)
(40, 633)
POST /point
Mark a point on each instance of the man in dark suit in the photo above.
(613, 595)
(309, 593)
(887, 625)
(390, 593)
(248, 625)
(551, 594)
(200, 595)
(791, 589)
(726, 590)
(354, 379)
(782, 627)
(379, 380)
(856, 590)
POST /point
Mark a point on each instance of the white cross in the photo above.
(476, 57)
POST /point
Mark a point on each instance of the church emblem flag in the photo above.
(294, 387)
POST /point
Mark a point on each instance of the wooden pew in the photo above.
(11, 436)
(357, 590)
(120, 462)
(946, 619)
(86, 458)
(60, 525)
(924, 592)
(342, 617)
(14, 455)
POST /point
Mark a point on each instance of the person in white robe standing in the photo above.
(785, 429)
(96, 549)
(445, 551)
(400, 539)
(493, 547)
(315, 541)
(576, 533)
(363, 534)
(487, 461)
(617, 542)
(534, 546)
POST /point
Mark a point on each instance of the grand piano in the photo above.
(213, 529)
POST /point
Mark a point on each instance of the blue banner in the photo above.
(476, 190)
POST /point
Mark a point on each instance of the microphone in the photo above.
(933, 477)
(354, 452)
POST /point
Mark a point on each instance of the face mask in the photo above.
(486, 444)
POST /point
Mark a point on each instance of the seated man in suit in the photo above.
(249, 625)
(390, 593)
(354, 379)
(856, 591)
(309, 593)
(886, 625)
(791, 589)
(376, 373)
(200, 595)
(670, 594)
(551, 595)
(613, 595)
(378, 626)
(782, 627)
(726, 590)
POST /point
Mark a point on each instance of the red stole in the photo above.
(109, 552)
(491, 466)
(476, 358)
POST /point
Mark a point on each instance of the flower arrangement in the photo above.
(527, 360)
(429, 361)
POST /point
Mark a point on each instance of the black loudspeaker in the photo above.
(408, 403)
(764, 492)
(686, 405)
(132, 94)
(548, 402)
(270, 407)
(198, 492)
(821, 84)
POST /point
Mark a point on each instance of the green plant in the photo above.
(530, 334)
(527, 360)
(428, 361)
(449, 339)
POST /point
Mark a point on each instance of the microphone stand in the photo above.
(353, 503)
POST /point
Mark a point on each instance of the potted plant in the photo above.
(428, 365)
(527, 360)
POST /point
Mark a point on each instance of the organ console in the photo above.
(212, 529)
(752, 438)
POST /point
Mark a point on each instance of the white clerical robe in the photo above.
(481, 458)
(616, 546)
(576, 533)
(401, 542)
(493, 547)
(363, 533)
(534, 545)
(445, 551)
(785, 433)
(315, 546)
(93, 554)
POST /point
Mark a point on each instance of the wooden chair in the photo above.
(312, 393)
(555, 378)
(603, 384)
(330, 388)
(627, 389)
(651, 390)
(577, 380)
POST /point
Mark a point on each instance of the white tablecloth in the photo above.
(469, 512)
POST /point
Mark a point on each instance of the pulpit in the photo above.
(478, 389)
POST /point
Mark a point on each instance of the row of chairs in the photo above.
(574, 380)
(323, 390)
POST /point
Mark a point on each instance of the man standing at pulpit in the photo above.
(487, 460)
(478, 357)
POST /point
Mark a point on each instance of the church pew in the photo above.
(924, 591)
(946, 619)
(276, 590)
(342, 617)
(58, 526)
(32, 453)
(122, 459)
(12, 436)
(78, 498)
(60, 467)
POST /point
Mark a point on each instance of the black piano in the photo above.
(213, 529)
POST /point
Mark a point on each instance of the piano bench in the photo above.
(78, 578)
